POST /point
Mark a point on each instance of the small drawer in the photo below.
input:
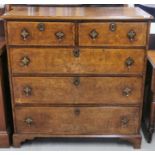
(77, 90)
(36, 33)
(113, 34)
(77, 61)
(77, 120)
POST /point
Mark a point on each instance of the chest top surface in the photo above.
(77, 13)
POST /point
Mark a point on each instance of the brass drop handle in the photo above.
(27, 90)
(41, 27)
(93, 34)
(25, 61)
(129, 62)
(29, 121)
(77, 111)
(131, 35)
(76, 52)
(76, 81)
(124, 120)
(127, 91)
(24, 34)
(60, 35)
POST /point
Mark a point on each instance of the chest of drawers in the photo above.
(4, 127)
(77, 72)
(148, 123)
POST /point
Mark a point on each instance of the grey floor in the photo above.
(80, 145)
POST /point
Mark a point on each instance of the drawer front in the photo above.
(77, 90)
(35, 33)
(116, 34)
(77, 120)
(78, 61)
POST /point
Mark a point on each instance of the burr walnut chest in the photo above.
(77, 72)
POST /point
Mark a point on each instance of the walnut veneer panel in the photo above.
(78, 120)
(77, 90)
(77, 61)
(35, 36)
(117, 37)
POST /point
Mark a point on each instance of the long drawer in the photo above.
(116, 34)
(44, 33)
(77, 61)
(77, 120)
(77, 90)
